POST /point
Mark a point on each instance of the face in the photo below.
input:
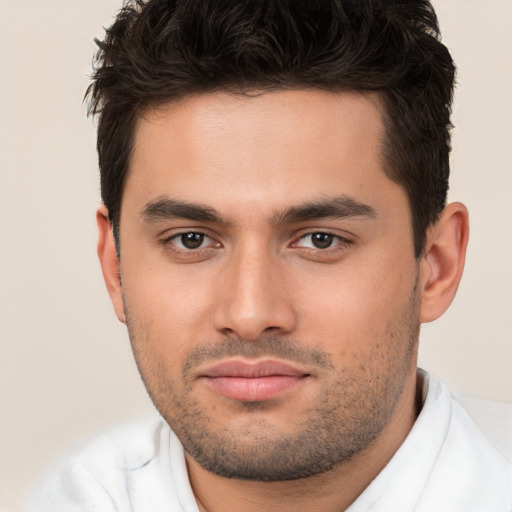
(269, 283)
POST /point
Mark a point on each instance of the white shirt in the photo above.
(445, 464)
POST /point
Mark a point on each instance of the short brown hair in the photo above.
(160, 50)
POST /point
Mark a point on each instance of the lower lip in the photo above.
(253, 389)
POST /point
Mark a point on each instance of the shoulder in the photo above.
(494, 419)
(125, 447)
(471, 471)
(94, 475)
(487, 419)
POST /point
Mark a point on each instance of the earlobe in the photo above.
(443, 261)
(109, 261)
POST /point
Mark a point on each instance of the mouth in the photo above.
(253, 381)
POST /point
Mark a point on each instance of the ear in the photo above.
(442, 262)
(109, 261)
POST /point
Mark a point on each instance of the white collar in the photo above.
(444, 465)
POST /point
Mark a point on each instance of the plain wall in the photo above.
(66, 366)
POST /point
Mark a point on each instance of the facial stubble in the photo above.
(349, 413)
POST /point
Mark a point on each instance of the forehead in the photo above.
(270, 148)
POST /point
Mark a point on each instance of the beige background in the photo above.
(66, 368)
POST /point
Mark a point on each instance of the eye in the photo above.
(191, 240)
(319, 240)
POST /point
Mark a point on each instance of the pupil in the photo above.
(322, 240)
(192, 240)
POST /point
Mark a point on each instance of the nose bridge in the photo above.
(253, 297)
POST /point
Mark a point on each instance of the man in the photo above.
(274, 231)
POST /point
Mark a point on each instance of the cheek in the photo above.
(173, 294)
(356, 307)
(167, 313)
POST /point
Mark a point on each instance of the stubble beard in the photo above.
(350, 413)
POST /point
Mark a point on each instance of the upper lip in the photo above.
(252, 369)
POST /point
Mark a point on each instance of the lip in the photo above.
(252, 381)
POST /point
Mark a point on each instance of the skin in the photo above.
(347, 315)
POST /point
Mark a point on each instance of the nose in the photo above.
(252, 300)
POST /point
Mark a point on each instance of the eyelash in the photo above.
(341, 244)
(170, 244)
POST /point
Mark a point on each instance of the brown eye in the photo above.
(322, 240)
(191, 240)
(319, 240)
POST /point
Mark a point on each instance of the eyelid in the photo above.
(167, 240)
(169, 237)
(342, 238)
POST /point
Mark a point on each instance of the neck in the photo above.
(332, 491)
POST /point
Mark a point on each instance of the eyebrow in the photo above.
(334, 208)
(165, 208)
